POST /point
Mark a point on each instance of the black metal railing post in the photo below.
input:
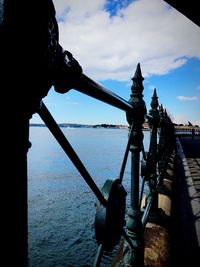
(161, 145)
(136, 118)
(166, 142)
(152, 159)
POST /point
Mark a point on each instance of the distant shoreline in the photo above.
(77, 125)
(178, 128)
(96, 126)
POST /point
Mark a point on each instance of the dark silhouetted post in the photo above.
(193, 133)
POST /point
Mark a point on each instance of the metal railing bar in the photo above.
(146, 212)
(142, 191)
(62, 140)
(126, 155)
(98, 256)
(89, 87)
(128, 240)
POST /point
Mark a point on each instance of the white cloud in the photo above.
(77, 10)
(146, 31)
(187, 98)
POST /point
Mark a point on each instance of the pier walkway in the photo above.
(186, 207)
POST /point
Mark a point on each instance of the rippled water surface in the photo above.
(61, 206)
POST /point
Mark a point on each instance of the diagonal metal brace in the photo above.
(62, 140)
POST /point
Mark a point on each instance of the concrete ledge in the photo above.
(192, 192)
(186, 216)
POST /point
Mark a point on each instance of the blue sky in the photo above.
(109, 38)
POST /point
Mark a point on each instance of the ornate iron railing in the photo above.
(110, 224)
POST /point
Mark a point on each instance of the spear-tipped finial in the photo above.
(138, 73)
(161, 108)
(137, 87)
(154, 102)
(154, 93)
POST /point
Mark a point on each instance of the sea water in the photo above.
(61, 206)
